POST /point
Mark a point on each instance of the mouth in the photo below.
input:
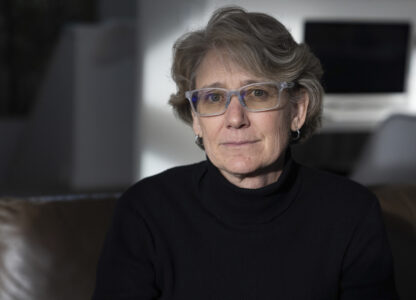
(239, 143)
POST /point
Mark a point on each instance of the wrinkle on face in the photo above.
(247, 147)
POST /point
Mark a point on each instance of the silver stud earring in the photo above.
(296, 135)
(199, 141)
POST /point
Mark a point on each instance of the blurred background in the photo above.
(84, 87)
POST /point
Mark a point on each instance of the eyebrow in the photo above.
(220, 85)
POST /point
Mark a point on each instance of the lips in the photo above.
(239, 143)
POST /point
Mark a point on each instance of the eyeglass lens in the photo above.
(258, 97)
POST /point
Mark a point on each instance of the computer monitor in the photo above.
(360, 57)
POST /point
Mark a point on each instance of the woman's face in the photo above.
(244, 146)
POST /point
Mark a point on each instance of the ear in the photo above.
(300, 109)
(196, 126)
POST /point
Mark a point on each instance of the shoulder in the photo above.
(170, 178)
(328, 183)
(168, 184)
(336, 193)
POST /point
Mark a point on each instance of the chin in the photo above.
(241, 167)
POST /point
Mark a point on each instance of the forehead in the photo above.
(217, 68)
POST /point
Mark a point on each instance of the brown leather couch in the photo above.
(398, 204)
(49, 247)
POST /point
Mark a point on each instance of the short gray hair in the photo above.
(260, 44)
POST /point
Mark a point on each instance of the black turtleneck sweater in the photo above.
(189, 234)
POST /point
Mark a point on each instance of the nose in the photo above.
(236, 115)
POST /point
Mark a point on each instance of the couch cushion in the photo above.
(49, 249)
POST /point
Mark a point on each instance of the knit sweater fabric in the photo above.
(188, 233)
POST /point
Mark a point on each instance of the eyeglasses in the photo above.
(253, 97)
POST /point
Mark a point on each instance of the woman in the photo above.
(249, 222)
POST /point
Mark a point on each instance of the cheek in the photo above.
(284, 129)
(276, 139)
(278, 131)
(280, 139)
(210, 128)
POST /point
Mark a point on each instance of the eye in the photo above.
(213, 97)
(258, 93)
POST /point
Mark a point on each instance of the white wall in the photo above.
(103, 105)
(43, 154)
(79, 137)
(162, 141)
(80, 133)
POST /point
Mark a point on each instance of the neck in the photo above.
(259, 178)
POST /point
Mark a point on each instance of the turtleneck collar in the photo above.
(241, 207)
